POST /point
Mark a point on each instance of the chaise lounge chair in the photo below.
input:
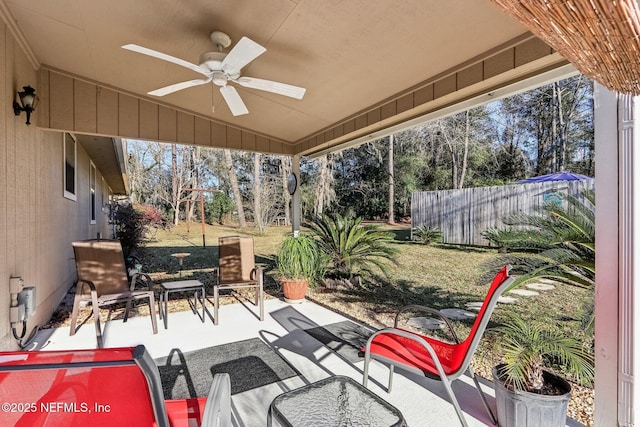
(102, 387)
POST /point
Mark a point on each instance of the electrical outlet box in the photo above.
(16, 314)
(15, 285)
(27, 298)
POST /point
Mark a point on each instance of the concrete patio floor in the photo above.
(422, 401)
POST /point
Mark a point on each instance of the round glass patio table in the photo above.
(336, 401)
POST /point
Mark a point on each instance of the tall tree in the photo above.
(175, 185)
(324, 193)
(242, 222)
(465, 151)
(257, 190)
(285, 170)
(195, 182)
(391, 218)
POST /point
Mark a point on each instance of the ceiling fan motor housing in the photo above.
(219, 78)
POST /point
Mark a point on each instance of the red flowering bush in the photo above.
(133, 223)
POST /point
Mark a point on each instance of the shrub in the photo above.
(132, 223)
(427, 235)
(351, 247)
(563, 238)
(219, 208)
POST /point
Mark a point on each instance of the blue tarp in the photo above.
(558, 176)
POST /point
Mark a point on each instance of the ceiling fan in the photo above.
(222, 68)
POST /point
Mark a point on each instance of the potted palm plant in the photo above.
(527, 394)
(299, 262)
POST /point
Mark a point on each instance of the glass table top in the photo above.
(336, 401)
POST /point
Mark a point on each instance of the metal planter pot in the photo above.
(524, 409)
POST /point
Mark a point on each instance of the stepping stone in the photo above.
(524, 292)
(425, 323)
(540, 286)
(507, 300)
(475, 305)
(457, 314)
(547, 281)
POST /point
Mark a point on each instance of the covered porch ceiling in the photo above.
(366, 65)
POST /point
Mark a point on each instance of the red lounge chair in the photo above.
(103, 387)
(432, 357)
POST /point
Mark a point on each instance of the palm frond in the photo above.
(563, 236)
(529, 346)
(353, 248)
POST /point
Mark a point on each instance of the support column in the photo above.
(617, 252)
(629, 257)
(296, 209)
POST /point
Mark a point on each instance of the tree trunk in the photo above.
(175, 185)
(452, 151)
(242, 222)
(257, 200)
(323, 193)
(562, 131)
(465, 152)
(554, 127)
(285, 170)
(194, 196)
(391, 218)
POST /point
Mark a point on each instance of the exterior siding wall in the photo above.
(76, 105)
(37, 224)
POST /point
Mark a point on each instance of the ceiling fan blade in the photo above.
(235, 103)
(178, 86)
(165, 57)
(271, 86)
(245, 51)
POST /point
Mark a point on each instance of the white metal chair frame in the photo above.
(446, 379)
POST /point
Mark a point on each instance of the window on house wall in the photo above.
(69, 148)
(92, 191)
(103, 193)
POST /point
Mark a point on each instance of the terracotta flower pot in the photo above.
(294, 290)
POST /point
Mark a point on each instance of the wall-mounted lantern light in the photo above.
(28, 102)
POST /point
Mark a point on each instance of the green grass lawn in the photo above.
(438, 276)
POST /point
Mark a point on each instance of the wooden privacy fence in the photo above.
(463, 214)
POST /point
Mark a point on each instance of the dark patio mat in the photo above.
(250, 364)
(345, 338)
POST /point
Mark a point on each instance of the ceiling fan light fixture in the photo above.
(219, 78)
(212, 60)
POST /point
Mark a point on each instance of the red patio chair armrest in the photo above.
(430, 311)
